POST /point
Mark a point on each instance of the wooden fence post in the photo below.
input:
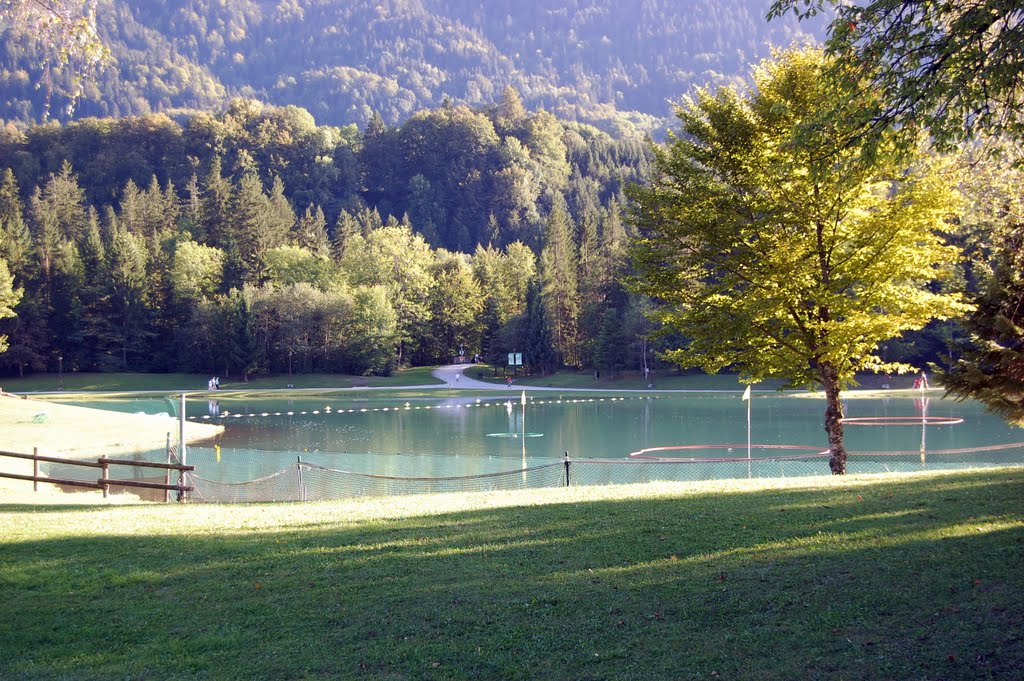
(35, 469)
(103, 480)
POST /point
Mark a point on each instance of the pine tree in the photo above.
(66, 313)
(991, 365)
(311, 232)
(125, 293)
(216, 208)
(559, 280)
(130, 215)
(67, 201)
(540, 350)
(344, 229)
(259, 224)
(244, 353)
(610, 344)
(15, 238)
(192, 210)
(95, 298)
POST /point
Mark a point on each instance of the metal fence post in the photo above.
(298, 468)
(167, 471)
(567, 469)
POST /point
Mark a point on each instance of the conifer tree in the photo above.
(259, 223)
(540, 351)
(15, 238)
(991, 365)
(244, 354)
(344, 229)
(125, 294)
(311, 232)
(216, 208)
(559, 281)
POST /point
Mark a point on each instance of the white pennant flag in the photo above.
(746, 393)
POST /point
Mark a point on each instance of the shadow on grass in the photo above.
(918, 578)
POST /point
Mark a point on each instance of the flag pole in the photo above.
(523, 400)
(746, 398)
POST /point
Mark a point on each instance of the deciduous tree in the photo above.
(777, 260)
(952, 67)
(9, 297)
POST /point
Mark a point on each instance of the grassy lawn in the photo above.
(177, 382)
(662, 380)
(406, 377)
(855, 578)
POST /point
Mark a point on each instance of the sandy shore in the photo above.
(79, 433)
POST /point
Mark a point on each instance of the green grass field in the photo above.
(129, 382)
(667, 380)
(889, 577)
(417, 376)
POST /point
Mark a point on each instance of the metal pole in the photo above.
(183, 452)
(167, 471)
(566, 468)
(181, 439)
(748, 427)
(523, 400)
(298, 467)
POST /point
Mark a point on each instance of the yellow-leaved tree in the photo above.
(778, 249)
(9, 297)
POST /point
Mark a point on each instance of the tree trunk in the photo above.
(833, 419)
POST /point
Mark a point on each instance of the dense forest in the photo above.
(256, 240)
(613, 64)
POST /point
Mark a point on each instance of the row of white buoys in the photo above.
(409, 407)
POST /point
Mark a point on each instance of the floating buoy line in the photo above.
(901, 421)
(407, 406)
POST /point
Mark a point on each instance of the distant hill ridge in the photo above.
(614, 63)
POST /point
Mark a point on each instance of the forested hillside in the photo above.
(254, 240)
(615, 64)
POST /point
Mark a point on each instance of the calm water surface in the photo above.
(452, 435)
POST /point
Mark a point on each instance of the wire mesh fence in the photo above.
(305, 481)
(310, 482)
(242, 475)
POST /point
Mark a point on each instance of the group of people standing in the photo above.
(213, 383)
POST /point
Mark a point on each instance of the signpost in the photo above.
(515, 360)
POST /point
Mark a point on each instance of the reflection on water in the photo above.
(454, 435)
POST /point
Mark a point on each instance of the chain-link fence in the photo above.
(309, 476)
(304, 481)
(308, 482)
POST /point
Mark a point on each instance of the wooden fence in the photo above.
(104, 482)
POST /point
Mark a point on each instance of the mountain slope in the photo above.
(616, 63)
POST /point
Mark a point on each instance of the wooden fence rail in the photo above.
(105, 482)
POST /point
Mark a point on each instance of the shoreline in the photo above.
(75, 432)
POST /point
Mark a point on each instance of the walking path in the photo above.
(454, 376)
